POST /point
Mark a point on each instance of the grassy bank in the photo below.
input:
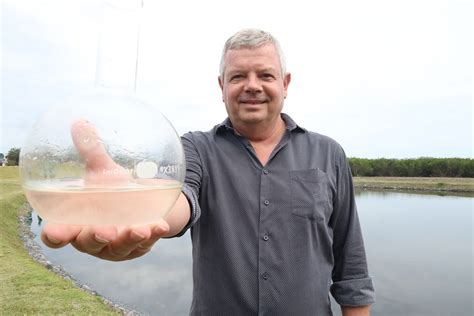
(25, 286)
(416, 184)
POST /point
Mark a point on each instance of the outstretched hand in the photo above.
(114, 243)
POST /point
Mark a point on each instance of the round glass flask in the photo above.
(106, 157)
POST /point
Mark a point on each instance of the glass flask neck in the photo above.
(117, 57)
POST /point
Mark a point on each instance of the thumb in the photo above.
(90, 146)
(100, 167)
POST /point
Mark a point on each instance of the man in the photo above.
(270, 205)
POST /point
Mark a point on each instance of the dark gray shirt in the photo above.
(273, 239)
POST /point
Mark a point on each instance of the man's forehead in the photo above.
(260, 57)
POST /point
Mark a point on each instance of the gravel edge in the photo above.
(35, 251)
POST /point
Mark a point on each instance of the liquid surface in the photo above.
(71, 202)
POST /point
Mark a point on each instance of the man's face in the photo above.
(253, 87)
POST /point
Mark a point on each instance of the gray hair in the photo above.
(251, 38)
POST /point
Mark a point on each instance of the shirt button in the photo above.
(265, 276)
(265, 237)
(265, 171)
(266, 202)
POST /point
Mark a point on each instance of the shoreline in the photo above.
(35, 252)
(454, 186)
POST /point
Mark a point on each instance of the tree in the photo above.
(13, 156)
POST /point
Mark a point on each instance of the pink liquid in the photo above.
(69, 202)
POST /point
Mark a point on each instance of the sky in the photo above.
(384, 78)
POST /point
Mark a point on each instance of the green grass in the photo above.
(26, 287)
(416, 183)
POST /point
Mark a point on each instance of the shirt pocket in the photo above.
(310, 194)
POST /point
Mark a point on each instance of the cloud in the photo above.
(352, 63)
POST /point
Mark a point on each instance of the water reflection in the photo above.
(420, 252)
(419, 248)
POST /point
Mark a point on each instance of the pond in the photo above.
(419, 247)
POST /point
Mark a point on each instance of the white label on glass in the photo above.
(146, 169)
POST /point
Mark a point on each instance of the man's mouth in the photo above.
(252, 101)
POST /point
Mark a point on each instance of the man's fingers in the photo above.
(92, 239)
(57, 236)
(134, 241)
(106, 242)
(158, 230)
(129, 239)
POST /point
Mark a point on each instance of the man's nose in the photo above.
(253, 84)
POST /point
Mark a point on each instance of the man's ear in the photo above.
(221, 84)
(286, 82)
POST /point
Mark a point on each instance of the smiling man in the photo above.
(270, 204)
(253, 89)
(277, 216)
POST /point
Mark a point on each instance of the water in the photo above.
(70, 202)
(420, 250)
(419, 247)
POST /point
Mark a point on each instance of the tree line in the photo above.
(415, 167)
(381, 167)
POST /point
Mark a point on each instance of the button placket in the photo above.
(265, 246)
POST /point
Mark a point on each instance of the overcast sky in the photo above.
(384, 78)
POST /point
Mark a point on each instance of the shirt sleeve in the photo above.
(351, 285)
(192, 182)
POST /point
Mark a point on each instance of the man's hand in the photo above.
(114, 243)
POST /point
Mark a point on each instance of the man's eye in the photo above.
(236, 77)
(268, 76)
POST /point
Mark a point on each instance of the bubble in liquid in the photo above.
(102, 159)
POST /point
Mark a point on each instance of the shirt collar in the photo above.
(291, 125)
